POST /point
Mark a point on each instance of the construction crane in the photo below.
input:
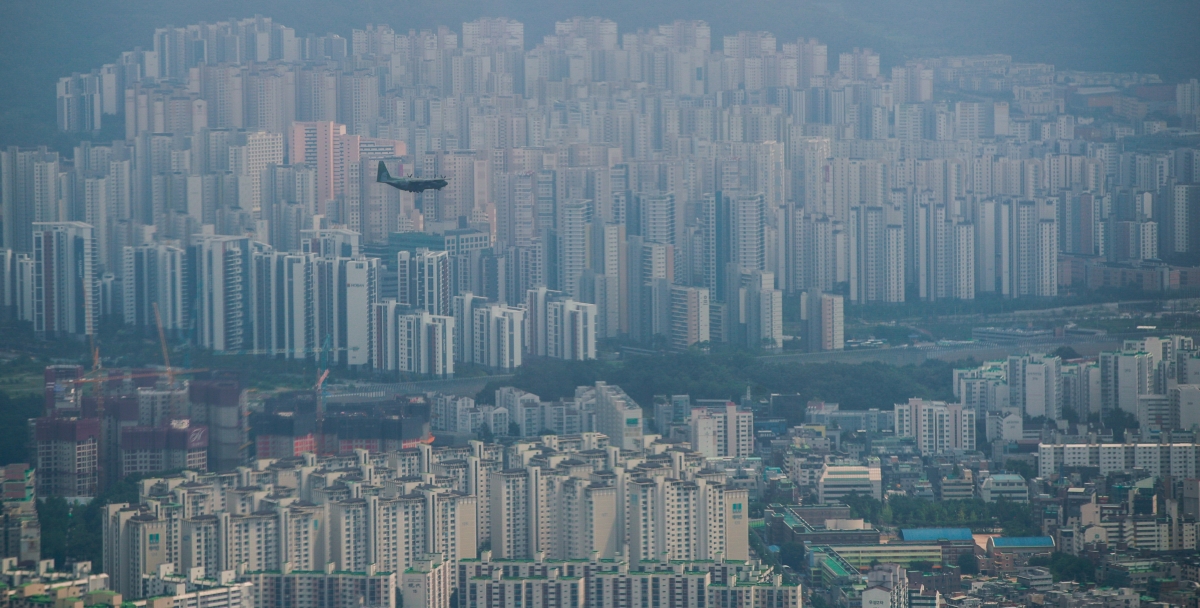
(96, 367)
(94, 379)
(323, 373)
(162, 340)
(288, 351)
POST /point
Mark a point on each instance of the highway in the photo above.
(1086, 346)
(466, 387)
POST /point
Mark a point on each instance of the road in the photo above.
(466, 387)
(1085, 345)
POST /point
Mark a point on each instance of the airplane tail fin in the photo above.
(383, 174)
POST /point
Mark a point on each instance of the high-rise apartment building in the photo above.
(689, 316)
(312, 143)
(66, 293)
(823, 321)
(559, 327)
(1035, 385)
(1124, 376)
(67, 456)
(412, 342)
(155, 279)
(722, 432)
(219, 272)
(423, 281)
(618, 416)
(938, 427)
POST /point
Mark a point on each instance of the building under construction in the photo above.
(289, 425)
(98, 428)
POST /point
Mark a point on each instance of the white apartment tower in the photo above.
(938, 427)
(155, 275)
(689, 316)
(618, 416)
(1124, 376)
(417, 343)
(423, 281)
(722, 432)
(1035, 385)
(559, 327)
(220, 275)
(66, 289)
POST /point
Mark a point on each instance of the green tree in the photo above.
(864, 507)
(968, 563)
(54, 516)
(792, 554)
(72, 533)
(15, 413)
(1064, 566)
(485, 433)
(894, 335)
(1119, 421)
(1022, 468)
(725, 374)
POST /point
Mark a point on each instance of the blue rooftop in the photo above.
(1023, 541)
(933, 534)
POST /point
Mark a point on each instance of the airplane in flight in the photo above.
(408, 184)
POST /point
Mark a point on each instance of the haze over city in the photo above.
(598, 305)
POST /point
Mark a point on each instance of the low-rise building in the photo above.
(20, 531)
(957, 488)
(1036, 578)
(166, 589)
(891, 553)
(954, 542)
(1010, 554)
(1004, 486)
(836, 481)
(325, 589)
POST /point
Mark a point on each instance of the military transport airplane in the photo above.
(408, 184)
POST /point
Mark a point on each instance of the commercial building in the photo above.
(836, 481)
(1004, 487)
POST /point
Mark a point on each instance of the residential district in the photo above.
(642, 187)
(298, 499)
